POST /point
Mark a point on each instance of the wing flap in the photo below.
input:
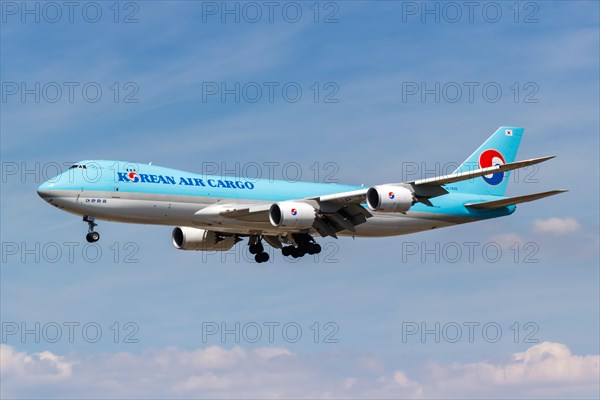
(491, 205)
(242, 210)
(352, 197)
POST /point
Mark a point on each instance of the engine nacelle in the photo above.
(387, 198)
(292, 214)
(186, 238)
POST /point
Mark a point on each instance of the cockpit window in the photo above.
(78, 166)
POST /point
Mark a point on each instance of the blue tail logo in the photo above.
(491, 158)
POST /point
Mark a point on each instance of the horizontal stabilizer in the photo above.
(490, 205)
(466, 175)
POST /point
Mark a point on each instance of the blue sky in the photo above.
(374, 132)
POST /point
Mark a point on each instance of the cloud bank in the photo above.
(544, 370)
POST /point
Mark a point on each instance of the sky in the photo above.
(352, 92)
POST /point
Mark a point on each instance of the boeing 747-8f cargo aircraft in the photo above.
(214, 213)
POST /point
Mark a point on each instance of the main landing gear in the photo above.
(92, 236)
(305, 245)
(256, 247)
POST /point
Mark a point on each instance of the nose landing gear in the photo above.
(92, 236)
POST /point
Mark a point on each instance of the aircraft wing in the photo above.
(344, 211)
(431, 187)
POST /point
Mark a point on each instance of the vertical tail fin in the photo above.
(500, 148)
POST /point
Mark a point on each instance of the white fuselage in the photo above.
(159, 209)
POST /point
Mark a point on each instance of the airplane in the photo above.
(214, 213)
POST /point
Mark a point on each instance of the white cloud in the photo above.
(40, 367)
(507, 240)
(544, 370)
(402, 381)
(556, 226)
(270, 352)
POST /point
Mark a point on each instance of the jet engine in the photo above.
(292, 214)
(387, 198)
(186, 238)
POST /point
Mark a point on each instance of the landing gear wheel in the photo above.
(298, 252)
(256, 248)
(92, 237)
(287, 251)
(306, 245)
(301, 251)
(261, 257)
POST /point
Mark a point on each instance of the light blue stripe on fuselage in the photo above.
(107, 176)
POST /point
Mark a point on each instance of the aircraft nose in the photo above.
(44, 190)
